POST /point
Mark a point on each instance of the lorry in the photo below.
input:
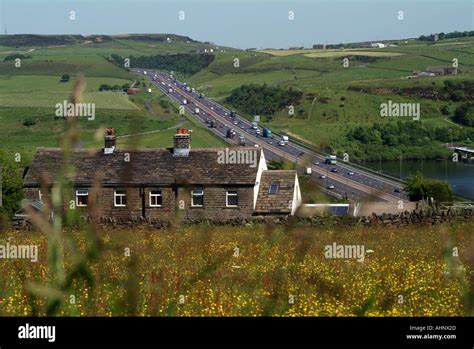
(267, 132)
(331, 160)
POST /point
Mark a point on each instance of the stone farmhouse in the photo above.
(194, 184)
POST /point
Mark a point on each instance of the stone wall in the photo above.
(415, 217)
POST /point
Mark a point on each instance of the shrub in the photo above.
(12, 185)
(29, 122)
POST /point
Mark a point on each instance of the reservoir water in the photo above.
(459, 175)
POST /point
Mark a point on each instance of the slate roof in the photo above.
(280, 202)
(146, 167)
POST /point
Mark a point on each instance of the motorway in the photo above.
(341, 180)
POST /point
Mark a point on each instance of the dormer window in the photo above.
(273, 189)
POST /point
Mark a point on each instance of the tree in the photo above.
(419, 188)
(446, 110)
(65, 78)
(105, 87)
(275, 165)
(464, 115)
(12, 186)
(187, 63)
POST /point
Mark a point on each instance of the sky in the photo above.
(242, 23)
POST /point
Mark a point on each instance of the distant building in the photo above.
(436, 71)
(442, 70)
(378, 45)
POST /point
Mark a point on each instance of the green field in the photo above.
(30, 93)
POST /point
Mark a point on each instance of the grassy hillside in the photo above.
(336, 98)
(29, 93)
(330, 109)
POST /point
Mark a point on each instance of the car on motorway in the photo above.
(322, 177)
(350, 173)
(281, 143)
(316, 162)
(334, 170)
(397, 190)
(331, 186)
(236, 122)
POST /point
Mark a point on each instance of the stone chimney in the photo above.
(110, 141)
(182, 143)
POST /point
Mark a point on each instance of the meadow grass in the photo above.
(255, 271)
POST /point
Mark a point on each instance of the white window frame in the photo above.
(233, 193)
(41, 196)
(116, 195)
(78, 195)
(274, 185)
(151, 195)
(195, 193)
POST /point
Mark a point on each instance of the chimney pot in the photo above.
(110, 141)
(182, 143)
